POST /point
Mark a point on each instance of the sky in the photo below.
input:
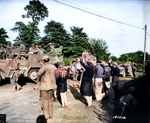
(120, 38)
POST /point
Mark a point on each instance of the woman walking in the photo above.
(86, 84)
(62, 86)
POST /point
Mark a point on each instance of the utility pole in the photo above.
(144, 49)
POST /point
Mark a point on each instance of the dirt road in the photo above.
(24, 106)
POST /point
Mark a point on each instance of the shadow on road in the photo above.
(21, 81)
(77, 95)
(41, 119)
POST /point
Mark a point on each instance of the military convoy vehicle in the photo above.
(125, 70)
(29, 63)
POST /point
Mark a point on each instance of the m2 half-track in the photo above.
(29, 64)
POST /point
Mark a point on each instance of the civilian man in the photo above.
(47, 83)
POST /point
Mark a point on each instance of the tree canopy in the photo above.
(3, 36)
(27, 33)
(36, 10)
(99, 49)
(73, 43)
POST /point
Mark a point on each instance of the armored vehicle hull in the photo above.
(29, 65)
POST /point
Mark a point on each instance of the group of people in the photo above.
(52, 78)
(95, 78)
(36, 49)
(5, 50)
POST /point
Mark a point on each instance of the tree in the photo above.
(136, 57)
(55, 34)
(36, 10)
(123, 57)
(99, 49)
(79, 42)
(114, 58)
(3, 36)
(29, 34)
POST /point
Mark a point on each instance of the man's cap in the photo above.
(32, 44)
(45, 57)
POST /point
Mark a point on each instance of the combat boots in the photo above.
(13, 89)
(18, 87)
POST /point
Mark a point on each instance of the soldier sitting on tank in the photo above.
(8, 49)
(38, 50)
(31, 49)
(41, 48)
(52, 48)
(22, 48)
(2, 51)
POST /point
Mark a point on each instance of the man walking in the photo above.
(115, 78)
(47, 83)
(98, 82)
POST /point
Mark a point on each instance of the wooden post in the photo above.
(144, 49)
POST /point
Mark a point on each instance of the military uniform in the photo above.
(13, 72)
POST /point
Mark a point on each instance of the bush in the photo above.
(67, 61)
(139, 66)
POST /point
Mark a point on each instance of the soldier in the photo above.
(31, 49)
(38, 51)
(40, 47)
(2, 51)
(52, 48)
(115, 78)
(22, 47)
(13, 72)
(8, 49)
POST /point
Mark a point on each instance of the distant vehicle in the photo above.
(125, 70)
(29, 64)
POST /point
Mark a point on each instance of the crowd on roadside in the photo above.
(94, 76)
(97, 78)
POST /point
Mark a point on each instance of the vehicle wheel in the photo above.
(124, 74)
(32, 74)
